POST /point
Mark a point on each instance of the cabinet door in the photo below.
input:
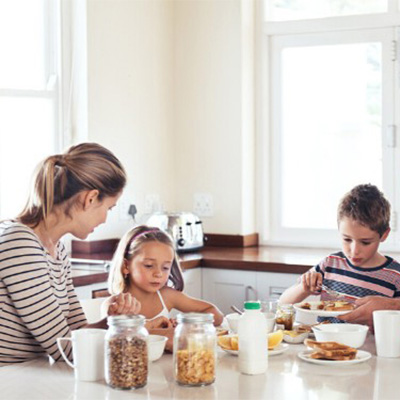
(224, 287)
(193, 282)
(270, 285)
(86, 292)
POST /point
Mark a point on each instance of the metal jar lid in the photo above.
(126, 320)
(195, 318)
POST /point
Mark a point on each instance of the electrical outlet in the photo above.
(123, 208)
(203, 204)
(152, 203)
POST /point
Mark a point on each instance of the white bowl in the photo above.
(349, 334)
(156, 344)
(233, 321)
(296, 338)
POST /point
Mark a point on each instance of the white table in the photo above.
(287, 377)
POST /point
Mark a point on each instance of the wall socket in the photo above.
(203, 204)
(152, 203)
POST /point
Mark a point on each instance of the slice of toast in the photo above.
(320, 356)
(331, 350)
(325, 345)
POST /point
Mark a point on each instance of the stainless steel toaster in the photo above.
(185, 228)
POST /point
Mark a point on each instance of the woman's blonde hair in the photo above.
(129, 246)
(59, 178)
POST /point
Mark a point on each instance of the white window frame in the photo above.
(57, 53)
(272, 34)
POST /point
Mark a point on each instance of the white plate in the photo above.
(315, 311)
(277, 350)
(361, 356)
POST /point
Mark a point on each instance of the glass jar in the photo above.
(126, 361)
(195, 349)
(285, 316)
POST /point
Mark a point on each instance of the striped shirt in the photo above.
(355, 282)
(38, 303)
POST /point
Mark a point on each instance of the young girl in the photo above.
(146, 265)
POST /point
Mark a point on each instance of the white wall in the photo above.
(170, 91)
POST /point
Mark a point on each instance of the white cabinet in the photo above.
(225, 287)
(270, 285)
(193, 282)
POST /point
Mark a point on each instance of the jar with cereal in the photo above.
(195, 349)
(126, 362)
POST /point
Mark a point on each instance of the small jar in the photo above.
(195, 349)
(285, 316)
(126, 361)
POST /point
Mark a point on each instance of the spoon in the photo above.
(234, 308)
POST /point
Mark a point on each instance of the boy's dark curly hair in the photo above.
(367, 205)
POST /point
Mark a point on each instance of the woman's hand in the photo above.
(311, 282)
(123, 303)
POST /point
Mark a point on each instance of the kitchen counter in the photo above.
(287, 377)
(257, 258)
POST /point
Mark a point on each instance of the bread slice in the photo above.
(331, 350)
(325, 345)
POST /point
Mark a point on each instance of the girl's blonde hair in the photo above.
(59, 178)
(129, 246)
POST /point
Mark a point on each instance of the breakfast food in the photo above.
(231, 342)
(221, 331)
(331, 350)
(195, 368)
(340, 305)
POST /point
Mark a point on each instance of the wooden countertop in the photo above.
(258, 258)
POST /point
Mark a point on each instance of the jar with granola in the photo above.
(195, 349)
(285, 315)
(126, 361)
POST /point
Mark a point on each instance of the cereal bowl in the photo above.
(352, 335)
(156, 346)
(233, 321)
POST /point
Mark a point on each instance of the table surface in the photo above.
(287, 377)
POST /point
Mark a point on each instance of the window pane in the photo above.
(331, 129)
(286, 10)
(26, 137)
(22, 44)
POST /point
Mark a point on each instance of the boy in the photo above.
(359, 270)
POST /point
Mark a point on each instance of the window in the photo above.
(333, 107)
(29, 95)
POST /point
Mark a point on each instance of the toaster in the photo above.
(185, 228)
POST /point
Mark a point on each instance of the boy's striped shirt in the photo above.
(38, 303)
(354, 282)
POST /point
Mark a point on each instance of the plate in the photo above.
(274, 352)
(321, 313)
(361, 356)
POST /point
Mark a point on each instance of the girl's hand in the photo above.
(123, 303)
(311, 282)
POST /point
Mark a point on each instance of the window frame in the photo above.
(266, 162)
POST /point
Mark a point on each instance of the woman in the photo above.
(72, 193)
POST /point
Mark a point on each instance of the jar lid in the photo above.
(196, 318)
(126, 320)
(252, 305)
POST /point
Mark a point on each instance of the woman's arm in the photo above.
(182, 302)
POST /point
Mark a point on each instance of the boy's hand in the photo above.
(311, 282)
(123, 303)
